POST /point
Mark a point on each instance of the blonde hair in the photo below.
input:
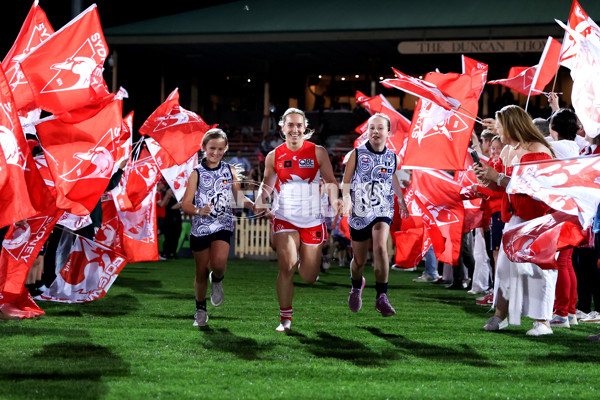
(215, 133)
(307, 132)
(381, 115)
(518, 126)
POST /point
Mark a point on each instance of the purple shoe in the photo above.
(383, 306)
(355, 299)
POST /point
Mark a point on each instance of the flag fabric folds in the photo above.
(24, 193)
(171, 125)
(537, 241)
(81, 157)
(580, 23)
(176, 175)
(571, 186)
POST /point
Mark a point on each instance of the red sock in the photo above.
(286, 313)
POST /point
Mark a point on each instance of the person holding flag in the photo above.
(368, 188)
(292, 173)
(519, 288)
(209, 195)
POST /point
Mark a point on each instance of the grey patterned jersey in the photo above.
(214, 187)
(371, 186)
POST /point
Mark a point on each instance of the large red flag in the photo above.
(441, 196)
(87, 275)
(444, 133)
(140, 239)
(20, 247)
(171, 125)
(24, 193)
(473, 212)
(34, 31)
(138, 180)
(423, 89)
(81, 157)
(581, 23)
(537, 241)
(65, 71)
(571, 186)
(532, 80)
(399, 124)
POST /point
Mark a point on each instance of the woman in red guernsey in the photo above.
(292, 174)
(519, 288)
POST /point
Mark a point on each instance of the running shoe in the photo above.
(559, 322)
(539, 329)
(486, 300)
(284, 325)
(201, 318)
(383, 306)
(355, 297)
(425, 278)
(593, 317)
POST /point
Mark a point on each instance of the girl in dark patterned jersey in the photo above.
(292, 173)
(368, 189)
(210, 193)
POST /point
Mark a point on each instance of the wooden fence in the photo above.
(252, 237)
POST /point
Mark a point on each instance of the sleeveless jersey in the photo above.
(371, 186)
(214, 187)
(296, 197)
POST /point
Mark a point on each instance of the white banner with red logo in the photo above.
(571, 186)
(89, 272)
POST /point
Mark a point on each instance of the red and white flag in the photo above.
(81, 157)
(585, 71)
(571, 186)
(423, 89)
(445, 133)
(417, 233)
(531, 81)
(110, 233)
(399, 124)
(89, 272)
(140, 236)
(537, 241)
(65, 71)
(475, 69)
(24, 193)
(176, 175)
(171, 125)
(34, 31)
(20, 248)
(580, 23)
(138, 180)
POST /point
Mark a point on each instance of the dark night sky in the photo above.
(112, 13)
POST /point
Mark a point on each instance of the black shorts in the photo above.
(360, 235)
(199, 243)
(496, 231)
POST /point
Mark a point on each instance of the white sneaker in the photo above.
(560, 322)
(284, 325)
(201, 318)
(572, 319)
(539, 329)
(216, 291)
(425, 278)
(593, 317)
(581, 315)
(396, 267)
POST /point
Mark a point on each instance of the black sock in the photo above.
(215, 279)
(201, 305)
(381, 288)
(356, 283)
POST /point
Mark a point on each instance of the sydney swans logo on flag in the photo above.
(177, 116)
(23, 241)
(82, 70)
(10, 147)
(435, 120)
(38, 35)
(98, 155)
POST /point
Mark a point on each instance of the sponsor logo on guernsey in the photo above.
(306, 163)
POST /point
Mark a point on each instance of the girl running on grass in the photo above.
(292, 173)
(368, 189)
(210, 193)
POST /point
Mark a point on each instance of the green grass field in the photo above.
(138, 343)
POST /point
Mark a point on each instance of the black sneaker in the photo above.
(441, 282)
